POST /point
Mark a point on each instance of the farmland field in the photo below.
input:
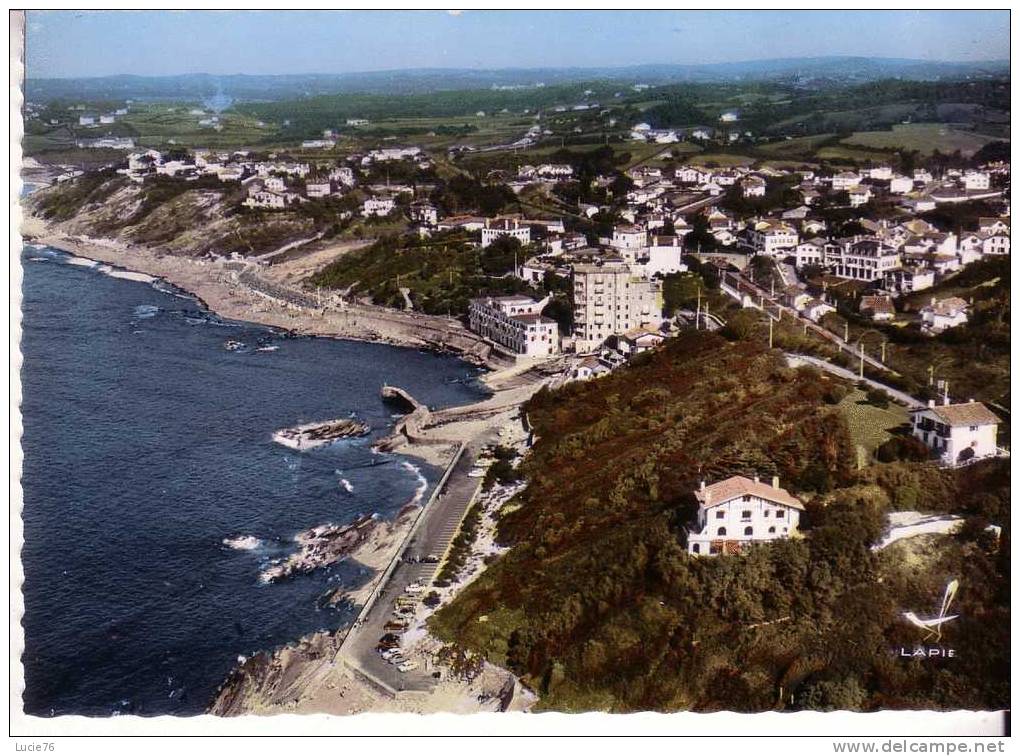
(721, 158)
(923, 137)
(869, 425)
(798, 146)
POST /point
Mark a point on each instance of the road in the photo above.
(796, 360)
(742, 285)
(432, 536)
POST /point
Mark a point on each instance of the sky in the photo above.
(101, 43)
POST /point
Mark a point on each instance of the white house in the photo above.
(771, 237)
(318, 189)
(664, 255)
(511, 227)
(268, 199)
(378, 206)
(730, 116)
(944, 313)
(629, 240)
(880, 173)
(845, 180)
(957, 433)
(816, 309)
(810, 252)
(738, 512)
(425, 212)
(996, 244)
(753, 186)
(976, 181)
(690, 174)
(860, 195)
(901, 185)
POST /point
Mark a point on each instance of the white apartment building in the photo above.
(880, 173)
(861, 258)
(515, 229)
(957, 433)
(609, 300)
(737, 512)
(515, 322)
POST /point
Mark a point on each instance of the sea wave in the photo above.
(83, 262)
(146, 311)
(242, 542)
(423, 483)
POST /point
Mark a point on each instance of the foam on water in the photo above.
(242, 542)
(128, 580)
(422, 482)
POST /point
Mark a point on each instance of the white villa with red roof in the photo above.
(739, 511)
(957, 433)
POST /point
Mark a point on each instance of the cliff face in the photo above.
(271, 679)
(174, 217)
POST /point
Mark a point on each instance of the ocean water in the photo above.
(147, 444)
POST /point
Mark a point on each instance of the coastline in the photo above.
(211, 283)
(303, 675)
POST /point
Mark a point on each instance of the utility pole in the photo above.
(883, 352)
(846, 331)
(861, 347)
(697, 314)
(770, 332)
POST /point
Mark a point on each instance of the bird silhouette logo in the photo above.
(933, 625)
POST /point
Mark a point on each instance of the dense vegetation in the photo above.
(441, 273)
(598, 606)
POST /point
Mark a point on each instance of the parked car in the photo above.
(408, 666)
(414, 588)
(431, 559)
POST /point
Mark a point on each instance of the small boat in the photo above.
(233, 346)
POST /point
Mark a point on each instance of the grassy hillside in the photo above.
(597, 605)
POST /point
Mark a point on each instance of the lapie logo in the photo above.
(932, 627)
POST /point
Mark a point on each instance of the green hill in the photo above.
(598, 606)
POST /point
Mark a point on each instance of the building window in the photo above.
(696, 548)
(748, 530)
(713, 549)
(719, 514)
(746, 514)
(780, 513)
(765, 513)
(772, 529)
(721, 531)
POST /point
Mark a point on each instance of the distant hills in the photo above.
(807, 72)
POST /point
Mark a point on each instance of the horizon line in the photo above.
(988, 61)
